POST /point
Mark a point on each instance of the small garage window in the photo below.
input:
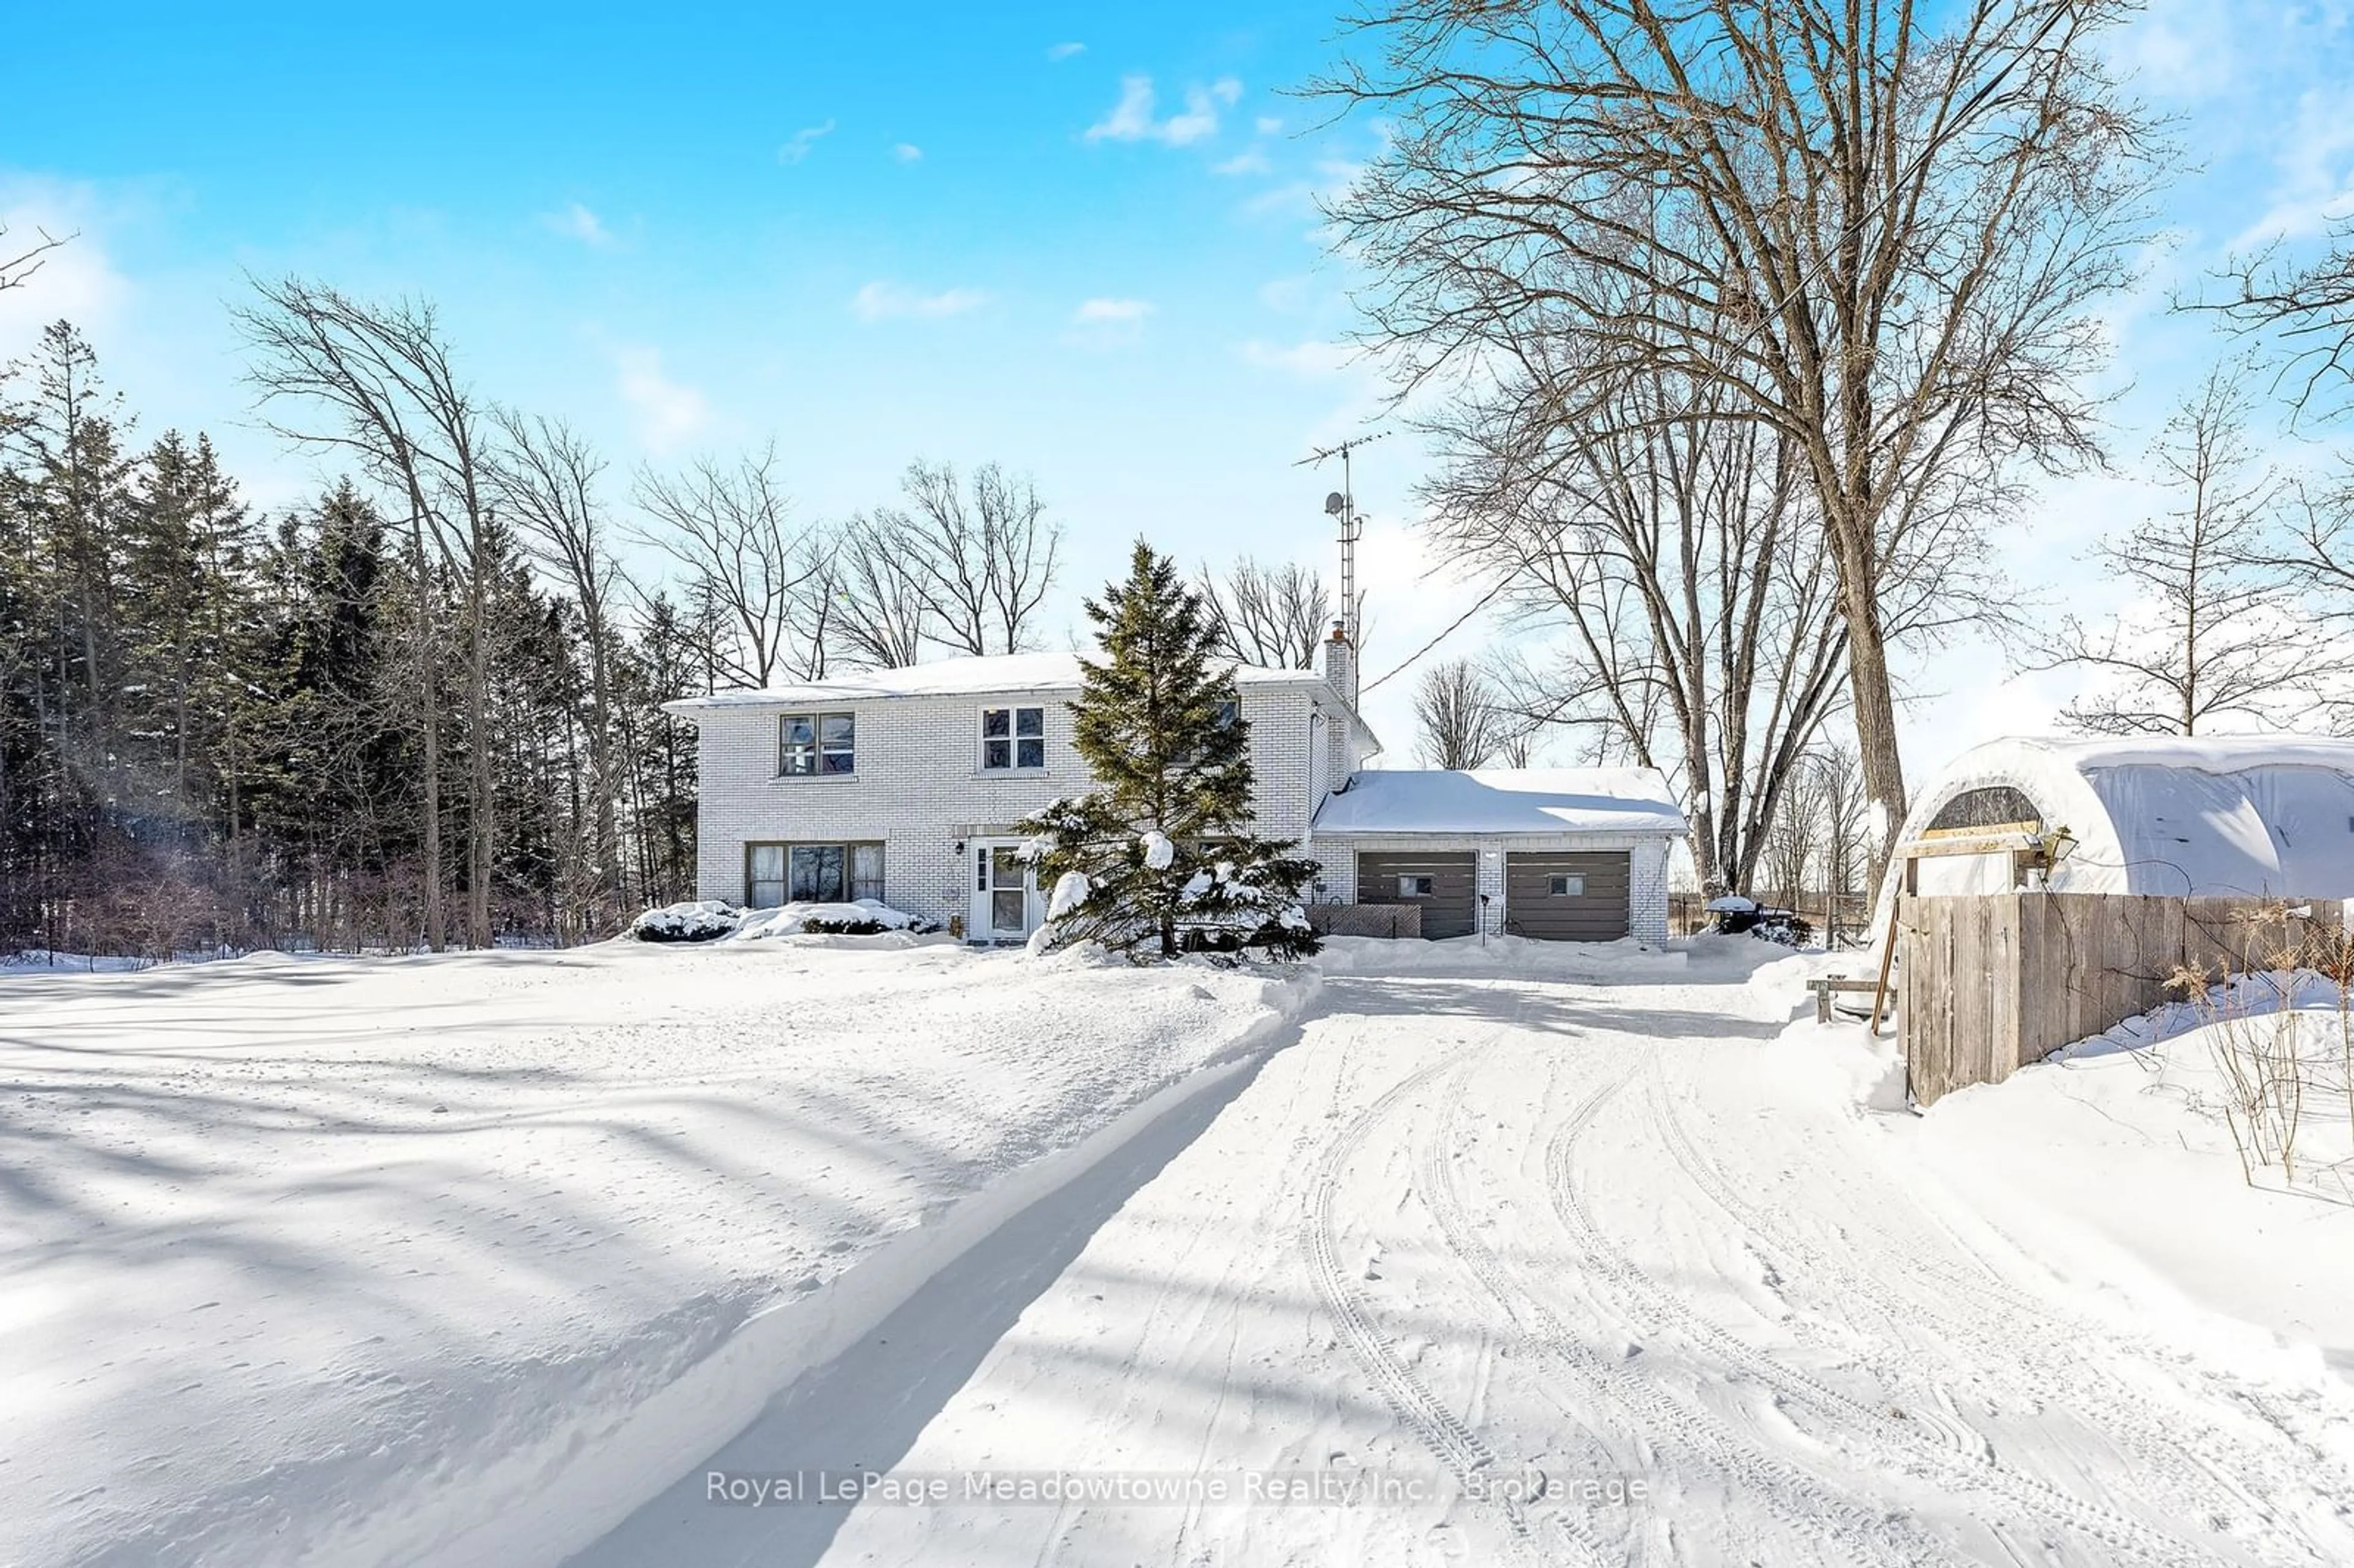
(1572, 886)
(1418, 886)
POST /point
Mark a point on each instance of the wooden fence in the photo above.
(1991, 983)
(1399, 920)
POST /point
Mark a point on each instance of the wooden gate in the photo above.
(1991, 983)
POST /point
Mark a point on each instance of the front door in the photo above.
(1005, 894)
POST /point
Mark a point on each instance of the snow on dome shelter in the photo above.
(2257, 816)
(2043, 891)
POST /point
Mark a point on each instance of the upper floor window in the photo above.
(813, 744)
(1013, 737)
(1230, 713)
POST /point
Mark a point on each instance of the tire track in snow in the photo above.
(1437, 1427)
(2039, 1500)
(1794, 1497)
(2152, 1437)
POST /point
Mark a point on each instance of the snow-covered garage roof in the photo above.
(2267, 815)
(1525, 801)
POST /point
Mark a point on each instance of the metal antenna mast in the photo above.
(1341, 505)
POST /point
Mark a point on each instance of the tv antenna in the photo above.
(1341, 506)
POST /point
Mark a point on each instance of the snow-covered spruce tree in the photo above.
(1159, 860)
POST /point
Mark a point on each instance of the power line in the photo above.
(1970, 106)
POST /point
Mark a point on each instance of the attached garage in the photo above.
(1570, 854)
(1567, 896)
(1444, 884)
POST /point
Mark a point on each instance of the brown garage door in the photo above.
(1446, 886)
(1564, 897)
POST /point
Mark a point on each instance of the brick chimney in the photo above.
(1341, 663)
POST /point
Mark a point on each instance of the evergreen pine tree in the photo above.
(1158, 859)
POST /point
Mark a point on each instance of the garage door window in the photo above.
(1418, 886)
(1565, 886)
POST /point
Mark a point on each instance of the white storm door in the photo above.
(1005, 894)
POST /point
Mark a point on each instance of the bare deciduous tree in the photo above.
(384, 373)
(1678, 552)
(762, 578)
(17, 268)
(546, 477)
(1271, 616)
(883, 613)
(2310, 308)
(2202, 639)
(981, 558)
(1882, 230)
(1456, 716)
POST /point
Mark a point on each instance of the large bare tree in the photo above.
(1272, 616)
(1456, 715)
(982, 555)
(2308, 306)
(2201, 636)
(1882, 228)
(382, 376)
(547, 479)
(1673, 553)
(762, 577)
(884, 609)
(20, 260)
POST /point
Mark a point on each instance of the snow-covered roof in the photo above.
(994, 672)
(1502, 800)
(2267, 815)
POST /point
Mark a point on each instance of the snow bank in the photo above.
(446, 1259)
(1505, 956)
(2114, 1153)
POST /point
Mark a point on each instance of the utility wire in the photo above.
(1970, 106)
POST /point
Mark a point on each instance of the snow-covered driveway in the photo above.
(1472, 1229)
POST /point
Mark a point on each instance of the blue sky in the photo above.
(1079, 240)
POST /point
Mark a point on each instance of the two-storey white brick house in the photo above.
(905, 786)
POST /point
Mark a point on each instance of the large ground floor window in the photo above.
(777, 874)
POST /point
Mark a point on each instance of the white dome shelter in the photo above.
(2266, 816)
(2060, 883)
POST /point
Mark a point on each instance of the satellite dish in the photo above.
(1335, 504)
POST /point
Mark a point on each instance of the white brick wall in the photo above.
(1646, 868)
(920, 787)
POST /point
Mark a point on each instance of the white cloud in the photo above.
(1269, 124)
(907, 153)
(802, 140)
(1107, 322)
(1252, 162)
(1288, 295)
(881, 301)
(1308, 361)
(1065, 51)
(668, 413)
(2187, 50)
(76, 280)
(1131, 119)
(577, 222)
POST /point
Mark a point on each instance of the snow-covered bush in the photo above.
(865, 917)
(711, 920)
(705, 920)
